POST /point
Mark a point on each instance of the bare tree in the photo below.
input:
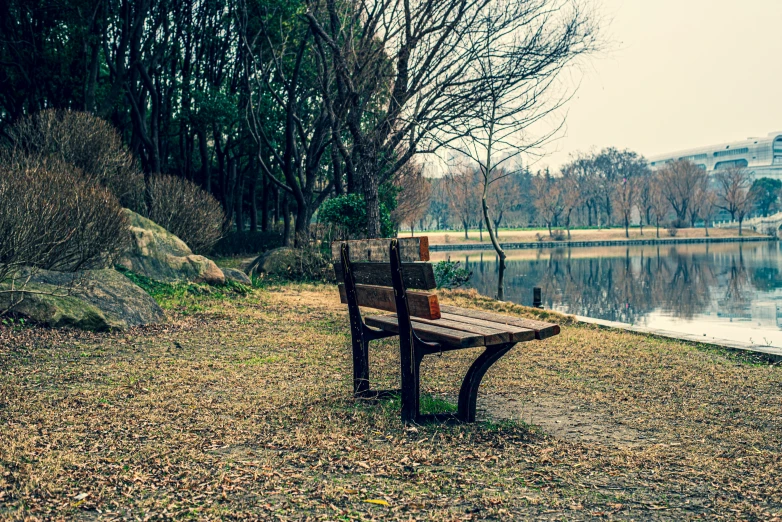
(680, 181)
(414, 195)
(733, 186)
(504, 195)
(463, 188)
(404, 77)
(706, 200)
(625, 196)
(519, 48)
(548, 200)
(658, 201)
(572, 198)
(645, 201)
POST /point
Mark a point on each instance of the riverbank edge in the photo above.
(772, 353)
(597, 243)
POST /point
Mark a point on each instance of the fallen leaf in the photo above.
(377, 501)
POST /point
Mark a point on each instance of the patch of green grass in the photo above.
(259, 361)
(185, 296)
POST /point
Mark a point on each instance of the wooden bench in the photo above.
(376, 274)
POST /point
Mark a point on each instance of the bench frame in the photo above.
(412, 351)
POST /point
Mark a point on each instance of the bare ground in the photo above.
(241, 408)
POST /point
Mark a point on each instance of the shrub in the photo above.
(237, 243)
(557, 235)
(51, 218)
(186, 210)
(83, 140)
(449, 274)
(672, 230)
(348, 215)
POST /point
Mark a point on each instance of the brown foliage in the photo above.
(83, 140)
(680, 181)
(187, 211)
(413, 199)
(51, 218)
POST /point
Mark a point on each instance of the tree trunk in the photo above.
(286, 220)
(302, 227)
(265, 204)
(627, 228)
(465, 229)
(253, 202)
(658, 228)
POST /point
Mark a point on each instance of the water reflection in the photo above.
(727, 283)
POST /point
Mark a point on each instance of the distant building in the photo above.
(762, 156)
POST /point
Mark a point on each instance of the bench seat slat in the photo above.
(449, 338)
(542, 330)
(421, 304)
(414, 275)
(490, 335)
(517, 334)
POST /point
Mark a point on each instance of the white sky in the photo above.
(678, 74)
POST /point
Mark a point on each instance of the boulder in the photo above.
(291, 263)
(90, 299)
(160, 255)
(237, 276)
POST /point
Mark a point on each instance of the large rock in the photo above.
(291, 263)
(158, 254)
(91, 300)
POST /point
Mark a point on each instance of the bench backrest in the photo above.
(363, 270)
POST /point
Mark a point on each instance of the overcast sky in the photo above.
(678, 74)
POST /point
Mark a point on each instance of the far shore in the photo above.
(457, 237)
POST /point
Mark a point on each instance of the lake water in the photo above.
(721, 291)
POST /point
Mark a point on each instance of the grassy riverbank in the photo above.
(241, 407)
(606, 234)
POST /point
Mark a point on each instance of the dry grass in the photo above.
(241, 408)
(609, 234)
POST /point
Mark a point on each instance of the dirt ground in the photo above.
(240, 408)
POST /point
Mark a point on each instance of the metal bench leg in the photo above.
(410, 358)
(468, 395)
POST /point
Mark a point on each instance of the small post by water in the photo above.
(537, 301)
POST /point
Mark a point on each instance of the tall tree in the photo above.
(733, 186)
(680, 182)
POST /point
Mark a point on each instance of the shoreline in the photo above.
(442, 247)
(771, 352)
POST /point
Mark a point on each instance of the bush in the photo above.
(51, 218)
(83, 140)
(186, 210)
(237, 243)
(672, 230)
(449, 274)
(557, 235)
(348, 215)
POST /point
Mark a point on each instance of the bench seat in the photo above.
(464, 328)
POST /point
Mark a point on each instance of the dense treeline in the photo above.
(608, 188)
(275, 106)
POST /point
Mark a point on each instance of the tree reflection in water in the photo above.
(628, 283)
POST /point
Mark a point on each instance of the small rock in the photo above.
(237, 276)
